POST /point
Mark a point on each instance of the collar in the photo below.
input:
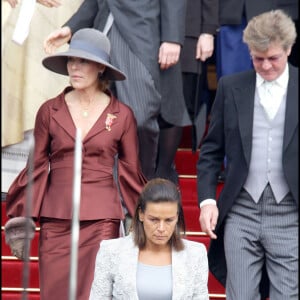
(281, 81)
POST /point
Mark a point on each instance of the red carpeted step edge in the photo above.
(12, 271)
(7, 295)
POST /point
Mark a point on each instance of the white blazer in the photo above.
(116, 269)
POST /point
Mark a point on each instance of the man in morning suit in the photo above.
(254, 123)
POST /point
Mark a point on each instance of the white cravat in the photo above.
(271, 95)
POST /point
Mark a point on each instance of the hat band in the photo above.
(90, 49)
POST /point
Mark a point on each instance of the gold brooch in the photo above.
(109, 121)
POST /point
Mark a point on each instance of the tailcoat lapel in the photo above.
(244, 100)
(291, 113)
(178, 270)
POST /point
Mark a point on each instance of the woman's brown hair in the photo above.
(156, 191)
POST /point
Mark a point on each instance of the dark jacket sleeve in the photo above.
(90, 14)
(212, 150)
(201, 17)
(210, 16)
(172, 20)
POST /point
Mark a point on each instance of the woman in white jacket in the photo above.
(153, 261)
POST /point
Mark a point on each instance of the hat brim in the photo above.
(58, 64)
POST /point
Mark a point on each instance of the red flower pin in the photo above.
(109, 120)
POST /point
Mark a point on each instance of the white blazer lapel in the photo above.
(179, 275)
(129, 255)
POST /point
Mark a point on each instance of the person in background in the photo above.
(254, 122)
(146, 39)
(154, 261)
(108, 129)
(201, 24)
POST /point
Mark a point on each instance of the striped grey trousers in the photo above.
(262, 232)
(139, 93)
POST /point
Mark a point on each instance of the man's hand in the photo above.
(205, 46)
(56, 39)
(168, 55)
(208, 219)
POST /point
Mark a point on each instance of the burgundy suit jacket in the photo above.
(54, 135)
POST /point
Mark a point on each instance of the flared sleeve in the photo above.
(17, 193)
(130, 176)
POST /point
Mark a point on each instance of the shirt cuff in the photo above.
(208, 201)
(207, 34)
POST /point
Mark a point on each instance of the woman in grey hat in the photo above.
(146, 38)
(108, 130)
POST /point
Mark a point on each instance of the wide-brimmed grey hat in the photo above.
(90, 44)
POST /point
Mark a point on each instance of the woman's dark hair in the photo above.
(156, 191)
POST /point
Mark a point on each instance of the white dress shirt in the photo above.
(271, 93)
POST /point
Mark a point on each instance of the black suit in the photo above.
(201, 17)
(230, 134)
